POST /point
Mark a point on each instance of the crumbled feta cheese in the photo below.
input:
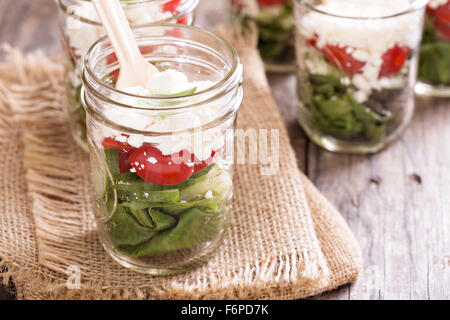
(158, 84)
(249, 8)
(209, 195)
(152, 160)
(121, 138)
(361, 55)
(360, 96)
(434, 4)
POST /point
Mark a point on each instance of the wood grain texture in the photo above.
(396, 202)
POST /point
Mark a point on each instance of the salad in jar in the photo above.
(81, 27)
(434, 62)
(274, 20)
(162, 183)
(356, 70)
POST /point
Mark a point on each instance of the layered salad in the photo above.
(163, 190)
(275, 22)
(434, 67)
(81, 28)
(356, 71)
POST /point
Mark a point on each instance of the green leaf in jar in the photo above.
(193, 227)
(434, 64)
(434, 59)
(336, 112)
(125, 230)
(161, 221)
(151, 221)
(271, 49)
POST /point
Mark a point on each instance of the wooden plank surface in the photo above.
(396, 202)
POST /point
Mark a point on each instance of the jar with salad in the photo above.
(160, 153)
(357, 65)
(80, 28)
(434, 62)
(274, 20)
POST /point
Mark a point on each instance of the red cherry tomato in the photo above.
(183, 20)
(124, 165)
(444, 28)
(124, 152)
(270, 2)
(340, 58)
(151, 165)
(393, 60)
(171, 6)
(442, 13)
(441, 18)
(111, 143)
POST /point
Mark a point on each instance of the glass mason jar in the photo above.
(357, 64)
(434, 61)
(81, 27)
(275, 22)
(161, 177)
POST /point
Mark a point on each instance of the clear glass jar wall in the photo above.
(357, 65)
(434, 62)
(275, 22)
(161, 178)
(80, 28)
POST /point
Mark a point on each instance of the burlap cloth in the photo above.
(285, 241)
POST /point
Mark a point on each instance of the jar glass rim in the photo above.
(414, 6)
(233, 76)
(189, 5)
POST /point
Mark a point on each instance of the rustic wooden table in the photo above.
(396, 202)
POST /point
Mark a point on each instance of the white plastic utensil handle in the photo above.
(134, 69)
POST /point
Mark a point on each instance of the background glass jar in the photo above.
(162, 197)
(357, 64)
(275, 22)
(80, 28)
(434, 61)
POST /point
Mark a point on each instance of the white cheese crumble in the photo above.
(209, 195)
(201, 143)
(434, 4)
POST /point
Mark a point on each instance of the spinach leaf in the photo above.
(151, 219)
(194, 227)
(161, 221)
(125, 230)
(337, 113)
(434, 60)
